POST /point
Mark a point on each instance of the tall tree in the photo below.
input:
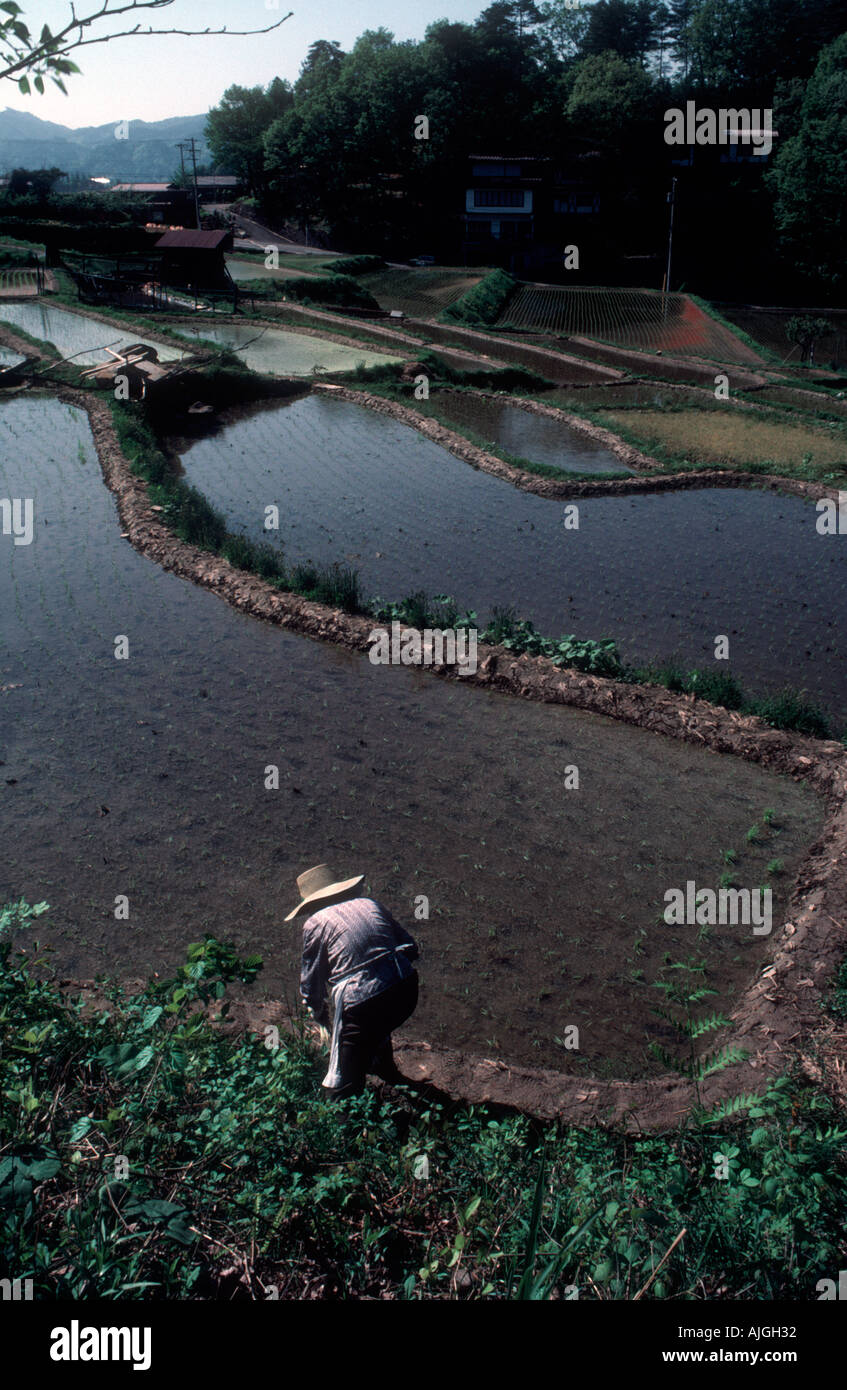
(319, 69)
(809, 174)
(235, 131)
(565, 27)
(610, 97)
(34, 183)
(627, 27)
(680, 14)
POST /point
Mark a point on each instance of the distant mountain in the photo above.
(133, 151)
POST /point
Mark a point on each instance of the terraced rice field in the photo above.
(643, 319)
(276, 352)
(662, 573)
(538, 438)
(241, 269)
(146, 777)
(420, 292)
(727, 436)
(76, 335)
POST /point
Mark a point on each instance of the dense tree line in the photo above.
(338, 148)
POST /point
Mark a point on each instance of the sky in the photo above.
(151, 78)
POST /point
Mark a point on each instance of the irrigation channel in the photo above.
(663, 573)
(146, 777)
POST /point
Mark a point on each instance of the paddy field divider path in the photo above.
(775, 1020)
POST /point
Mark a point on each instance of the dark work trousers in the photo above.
(365, 1042)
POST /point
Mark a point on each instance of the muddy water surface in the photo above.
(146, 777)
(537, 437)
(663, 573)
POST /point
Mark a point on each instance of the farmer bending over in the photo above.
(353, 948)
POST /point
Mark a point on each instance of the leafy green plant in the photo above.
(684, 992)
(787, 709)
(718, 687)
(838, 1000)
(242, 1178)
(334, 291)
(535, 1285)
(583, 654)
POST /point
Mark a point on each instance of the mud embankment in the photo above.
(564, 368)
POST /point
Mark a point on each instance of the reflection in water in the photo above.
(537, 437)
(665, 574)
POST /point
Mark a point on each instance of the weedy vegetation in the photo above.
(241, 1181)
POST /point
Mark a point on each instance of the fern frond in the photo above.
(682, 1068)
(733, 1106)
(697, 995)
(719, 1061)
(699, 1026)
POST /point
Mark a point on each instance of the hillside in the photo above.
(148, 151)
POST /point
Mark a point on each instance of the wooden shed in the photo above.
(195, 260)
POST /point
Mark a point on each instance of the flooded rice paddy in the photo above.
(539, 438)
(146, 777)
(280, 353)
(663, 573)
(76, 335)
(242, 269)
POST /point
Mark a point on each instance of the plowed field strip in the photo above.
(633, 318)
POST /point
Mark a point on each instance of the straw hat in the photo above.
(318, 885)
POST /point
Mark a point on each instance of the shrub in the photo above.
(381, 372)
(788, 709)
(582, 654)
(483, 304)
(195, 520)
(336, 585)
(336, 290)
(355, 265)
(718, 687)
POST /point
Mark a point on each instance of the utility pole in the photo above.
(672, 201)
(191, 145)
(181, 148)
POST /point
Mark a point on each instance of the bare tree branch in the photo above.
(20, 55)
